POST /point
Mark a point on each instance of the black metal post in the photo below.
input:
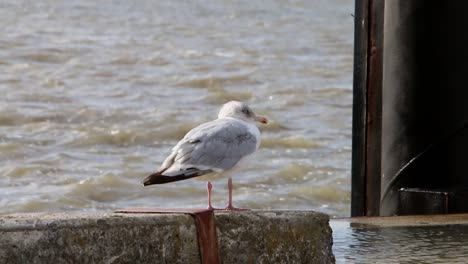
(367, 107)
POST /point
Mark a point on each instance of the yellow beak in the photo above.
(261, 119)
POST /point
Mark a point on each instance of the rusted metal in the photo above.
(367, 107)
(358, 170)
(206, 229)
(207, 238)
(150, 210)
(374, 107)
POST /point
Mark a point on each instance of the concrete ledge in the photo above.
(274, 237)
(243, 237)
(407, 220)
(106, 238)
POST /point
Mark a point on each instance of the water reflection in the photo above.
(358, 243)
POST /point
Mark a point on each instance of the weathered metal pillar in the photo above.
(367, 106)
(410, 113)
(425, 106)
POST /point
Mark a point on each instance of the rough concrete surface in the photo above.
(274, 237)
(105, 238)
(243, 237)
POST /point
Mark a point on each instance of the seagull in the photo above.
(215, 146)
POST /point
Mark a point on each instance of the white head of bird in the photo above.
(241, 111)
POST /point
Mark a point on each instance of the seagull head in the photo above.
(241, 111)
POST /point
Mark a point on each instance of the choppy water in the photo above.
(93, 95)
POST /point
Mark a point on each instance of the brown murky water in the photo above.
(93, 94)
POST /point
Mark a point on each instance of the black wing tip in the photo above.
(146, 182)
(151, 179)
(159, 178)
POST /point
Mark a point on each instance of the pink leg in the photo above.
(209, 186)
(230, 206)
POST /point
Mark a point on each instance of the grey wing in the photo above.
(216, 145)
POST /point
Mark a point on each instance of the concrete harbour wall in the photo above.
(243, 237)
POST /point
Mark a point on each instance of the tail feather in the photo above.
(160, 178)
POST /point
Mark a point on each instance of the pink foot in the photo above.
(230, 207)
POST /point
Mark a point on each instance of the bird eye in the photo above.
(246, 111)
